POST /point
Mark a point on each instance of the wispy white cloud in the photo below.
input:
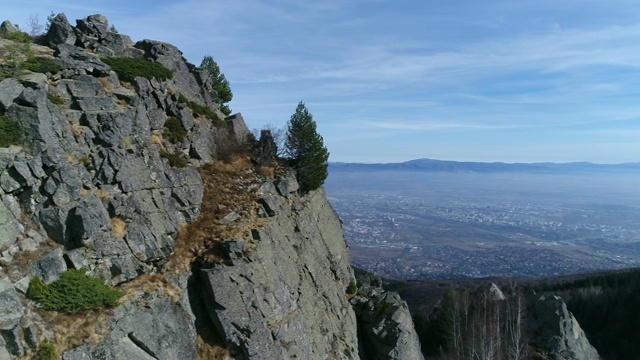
(373, 69)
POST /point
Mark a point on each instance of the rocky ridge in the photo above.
(93, 187)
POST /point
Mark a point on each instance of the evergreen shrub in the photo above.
(41, 64)
(74, 292)
(10, 132)
(129, 68)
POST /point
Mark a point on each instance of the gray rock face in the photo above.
(287, 184)
(557, 330)
(76, 61)
(10, 89)
(10, 225)
(11, 308)
(238, 128)
(160, 330)
(385, 326)
(265, 304)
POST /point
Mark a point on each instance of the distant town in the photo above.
(448, 229)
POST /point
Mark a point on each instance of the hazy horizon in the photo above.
(488, 162)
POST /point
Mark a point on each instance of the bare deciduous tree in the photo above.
(35, 27)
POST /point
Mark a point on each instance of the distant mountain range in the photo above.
(430, 165)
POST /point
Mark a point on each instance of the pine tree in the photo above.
(306, 150)
(220, 83)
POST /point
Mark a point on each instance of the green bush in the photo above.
(174, 131)
(10, 132)
(41, 65)
(46, 351)
(352, 288)
(129, 68)
(176, 159)
(74, 292)
(201, 110)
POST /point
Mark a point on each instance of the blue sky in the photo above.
(388, 81)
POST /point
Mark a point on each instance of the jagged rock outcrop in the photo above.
(556, 332)
(91, 161)
(385, 327)
(294, 279)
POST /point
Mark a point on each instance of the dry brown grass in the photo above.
(25, 259)
(207, 351)
(71, 331)
(118, 227)
(76, 130)
(72, 160)
(106, 85)
(127, 85)
(149, 283)
(226, 189)
(267, 171)
(100, 193)
(156, 138)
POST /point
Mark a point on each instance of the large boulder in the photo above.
(60, 31)
(7, 28)
(557, 332)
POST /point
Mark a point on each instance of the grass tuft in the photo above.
(46, 351)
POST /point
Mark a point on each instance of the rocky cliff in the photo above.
(215, 259)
